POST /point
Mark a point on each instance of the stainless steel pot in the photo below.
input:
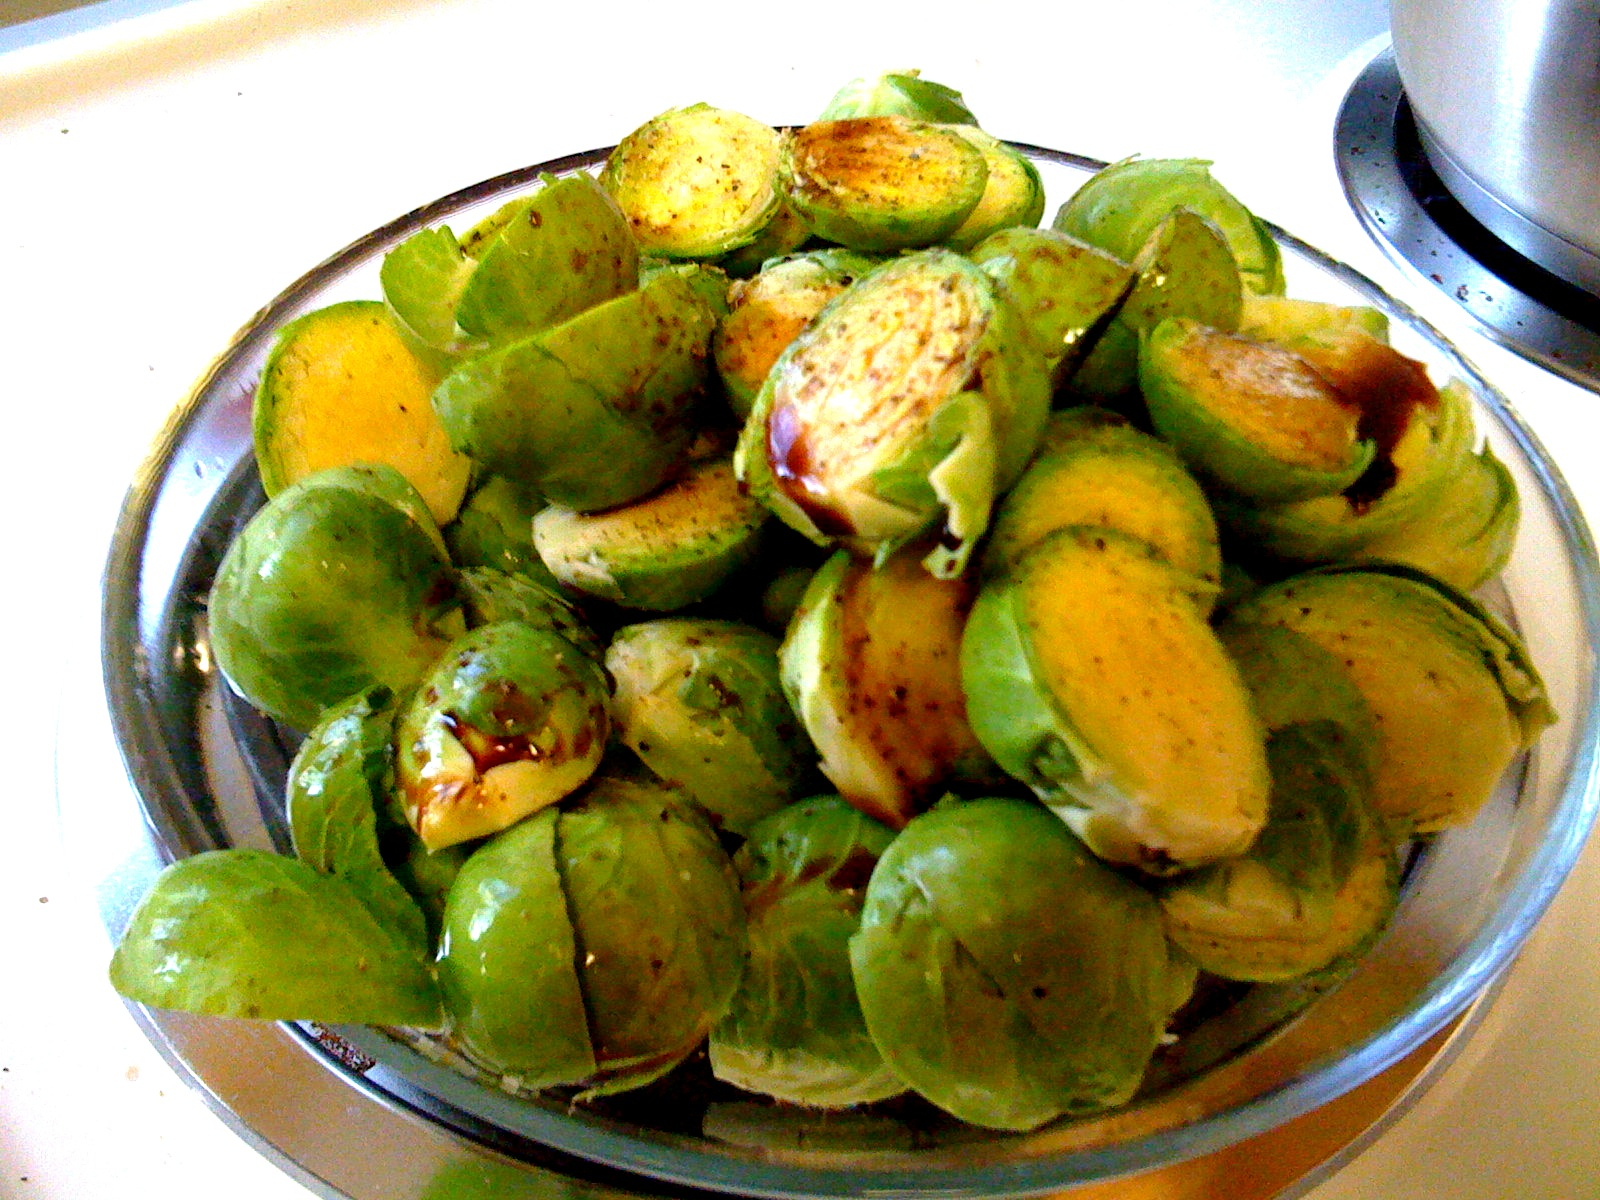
(1506, 94)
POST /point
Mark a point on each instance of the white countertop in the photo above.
(164, 177)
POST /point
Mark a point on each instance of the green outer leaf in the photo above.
(899, 93)
(565, 249)
(336, 783)
(422, 280)
(246, 933)
(508, 961)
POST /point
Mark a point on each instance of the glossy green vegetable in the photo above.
(1007, 975)
(899, 93)
(1013, 193)
(495, 529)
(795, 1030)
(700, 703)
(491, 596)
(327, 591)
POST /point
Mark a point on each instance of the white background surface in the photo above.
(162, 179)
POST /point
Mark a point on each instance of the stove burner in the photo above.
(1411, 215)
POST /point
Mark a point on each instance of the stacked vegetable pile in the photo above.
(1112, 632)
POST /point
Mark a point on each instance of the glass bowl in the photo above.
(209, 772)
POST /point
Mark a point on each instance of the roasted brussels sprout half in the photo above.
(910, 402)
(1096, 469)
(1062, 287)
(1013, 193)
(1453, 693)
(1317, 885)
(510, 719)
(489, 596)
(592, 412)
(554, 254)
(1007, 975)
(327, 591)
(768, 312)
(342, 386)
(882, 183)
(870, 664)
(1250, 416)
(1092, 676)
(660, 553)
(795, 1030)
(1183, 270)
(700, 703)
(695, 182)
(1121, 205)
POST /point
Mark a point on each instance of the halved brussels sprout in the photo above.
(554, 254)
(342, 386)
(422, 279)
(660, 930)
(1270, 914)
(1007, 975)
(1251, 416)
(327, 591)
(1013, 193)
(1119, 206)
(1289, 320)
(1183, 270)
(795, 1030)
(912, 399)
(899, 93)
(700, 702)
(1062, 287)
(1095, 469)
(508, 960)
(1451, 688)
(511, 719)
(870, 665)
(769, 311)
(663, 552)
(695, 182)
(783, 235)
(1093, 677)
(881, 183)
(590, 413)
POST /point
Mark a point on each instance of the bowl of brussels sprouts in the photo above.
(759, 666)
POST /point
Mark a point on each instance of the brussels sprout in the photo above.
(1062, 287)
(1289, 320)
(1095, 469)
(1092, 676)
(786, 233)
(495, 529)
(556, 253)
(422, 279)
(328, 590)
(1452, 691)
(1423, 437)
(428, 875)
(510, 719)
(769, 311)
(795, 1029)
(387, 484)
(699, 701)
(660, 928)
(590, 413)
(1005, 974)
(1118, 207)
(490, 596)
(1295, 680)
(246, 933)
(339, 783)
(1269, 914)
(508, 960)
(660, 553)
(899, 94)
(342, 386)
(870, 665)
(1013, 193)
(881, 183)
(695, 182)
(1184, 270)
(912, 399)
(1251, 416)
